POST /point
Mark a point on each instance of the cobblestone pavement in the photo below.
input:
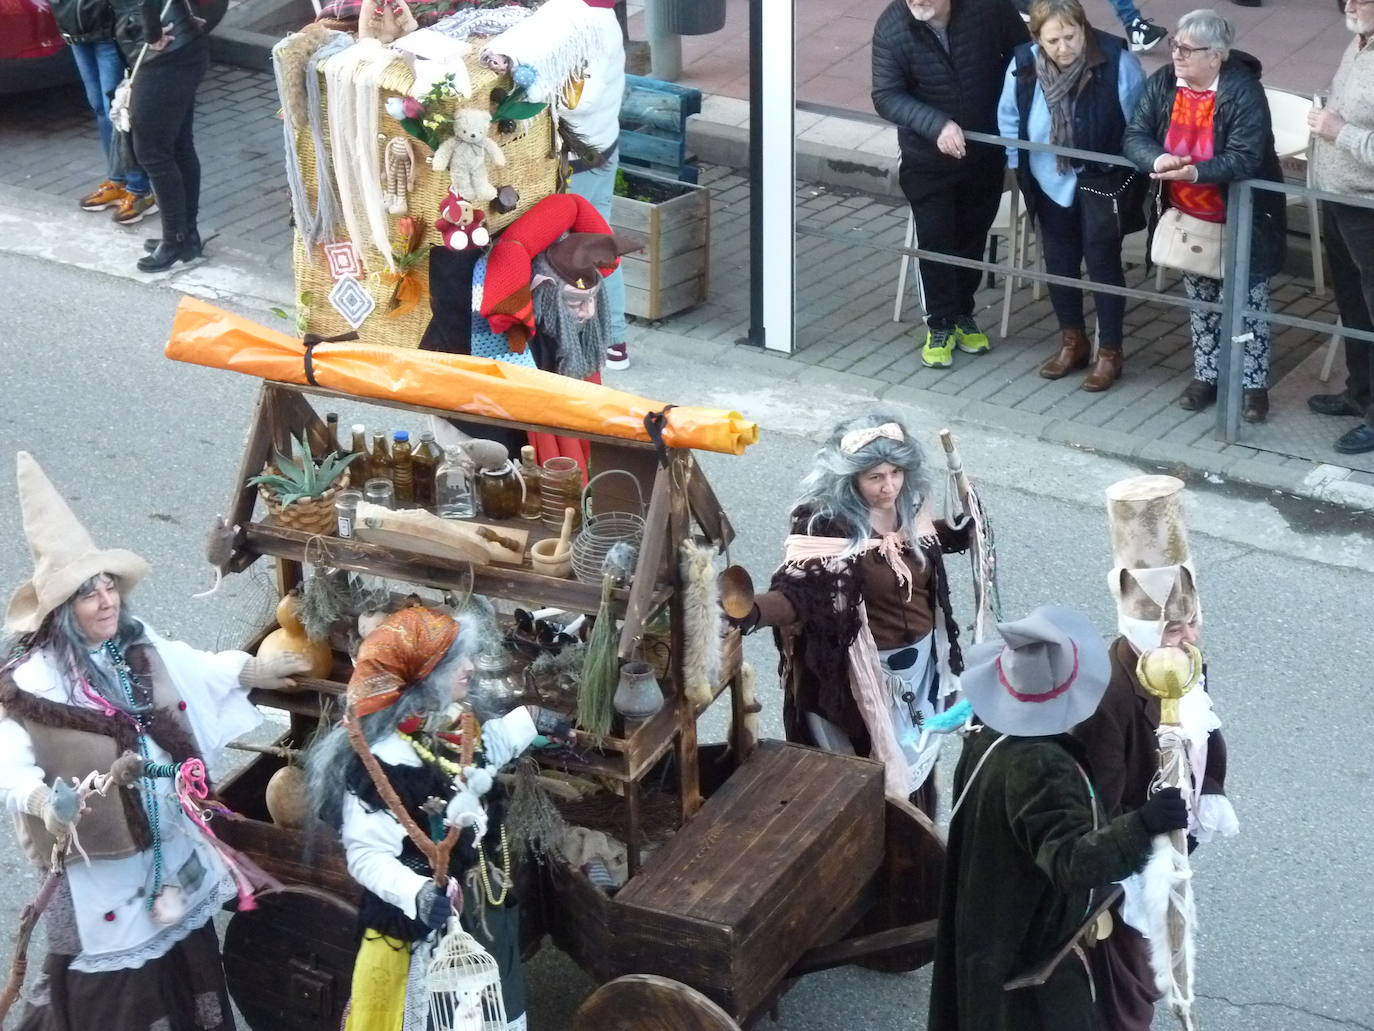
(845, 291)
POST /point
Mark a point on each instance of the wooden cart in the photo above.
(787, 860)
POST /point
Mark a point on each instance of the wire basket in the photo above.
(601, 532)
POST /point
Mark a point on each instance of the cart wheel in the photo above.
(647, 1002)
(289, 962)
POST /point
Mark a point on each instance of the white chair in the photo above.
(1331, 349)
(1009, 224)
(1293, 142)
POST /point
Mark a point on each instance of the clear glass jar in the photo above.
(378, 491)
(501, 491)
(560, 487)
(454, 497)
(346, 508)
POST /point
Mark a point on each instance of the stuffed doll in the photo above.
(385, 20)
(460, 224)
(398, 174)
(465, 155)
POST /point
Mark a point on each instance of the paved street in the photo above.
(146, 449)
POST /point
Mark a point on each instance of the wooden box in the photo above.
(653, 126)
(757, 877)
(673, 220)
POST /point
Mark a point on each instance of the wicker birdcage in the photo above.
(464, 985)
(603, 531)
(531, 168)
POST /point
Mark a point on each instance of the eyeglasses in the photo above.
(1176, 47)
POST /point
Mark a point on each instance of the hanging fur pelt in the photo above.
(749, 702)
(1161, 908)
(702, 618)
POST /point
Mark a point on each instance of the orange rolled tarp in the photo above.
(205, 335)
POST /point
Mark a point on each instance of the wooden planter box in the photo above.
(672, 271)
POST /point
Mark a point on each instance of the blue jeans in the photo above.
(1126, 11)
(102, 68)
(598, 186)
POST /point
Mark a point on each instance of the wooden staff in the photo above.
(956, 469)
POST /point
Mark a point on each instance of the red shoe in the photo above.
(617, 357)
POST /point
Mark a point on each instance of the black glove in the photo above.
(1165, 811)
(746, 625)
(432, 906)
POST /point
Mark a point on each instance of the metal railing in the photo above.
(1233, 306)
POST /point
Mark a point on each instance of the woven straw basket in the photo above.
(308, 515)
(531, 167)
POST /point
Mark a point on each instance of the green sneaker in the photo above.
(969, 338)
(938, 350)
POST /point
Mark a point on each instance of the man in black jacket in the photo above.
(937, 70)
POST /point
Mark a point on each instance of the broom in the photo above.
(594, 711)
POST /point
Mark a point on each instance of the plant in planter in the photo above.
(299, 493)
(674, 220)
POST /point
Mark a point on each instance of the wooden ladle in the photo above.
(736, 590)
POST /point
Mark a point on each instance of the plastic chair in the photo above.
(1293, 141)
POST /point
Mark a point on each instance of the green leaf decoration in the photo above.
(278, 312)
(517, 110)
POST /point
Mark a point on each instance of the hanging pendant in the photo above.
(170, 905)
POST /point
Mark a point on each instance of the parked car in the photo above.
(32, 54)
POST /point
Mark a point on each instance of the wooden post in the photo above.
(680, 524)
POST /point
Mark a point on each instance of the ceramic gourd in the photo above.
(287, 802)
(291, 637)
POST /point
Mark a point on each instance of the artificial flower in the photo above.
(524, 75)
(411, 107)
(395, 107)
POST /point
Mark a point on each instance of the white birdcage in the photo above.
(464, 985)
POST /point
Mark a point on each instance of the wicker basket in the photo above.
(308, 515)
(531, 167)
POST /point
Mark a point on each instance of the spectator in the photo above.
(1343, 162)
(162, 112)
(1202, 123)
(1095, 82)
(936, 71)
(88, 28)
(1141, 33)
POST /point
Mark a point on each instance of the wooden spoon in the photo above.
(736, 590)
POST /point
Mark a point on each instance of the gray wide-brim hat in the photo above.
(1047, 674)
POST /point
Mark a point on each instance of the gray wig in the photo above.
(330, 761)
(1208, 29)
(61, 635)
(830, 491)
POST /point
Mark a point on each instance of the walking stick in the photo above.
(983, 549)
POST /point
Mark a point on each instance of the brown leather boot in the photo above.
(1106, 370)
(1073, 353)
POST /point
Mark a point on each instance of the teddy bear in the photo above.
(385, 20)
(460, 224)
(465, 155)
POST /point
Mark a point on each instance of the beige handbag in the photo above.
(1187, 244)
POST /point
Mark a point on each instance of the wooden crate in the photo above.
(757, 877)
(653, 126)
(672, 272)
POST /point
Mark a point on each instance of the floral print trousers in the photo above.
(1206, 327)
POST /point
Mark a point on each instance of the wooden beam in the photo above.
(679, 527)
(826, 957)
(706, 509)
(651, 554)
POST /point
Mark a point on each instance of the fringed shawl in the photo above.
(557, 41)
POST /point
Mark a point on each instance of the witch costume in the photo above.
(456, 766)
(1029, 849)
(131, 945)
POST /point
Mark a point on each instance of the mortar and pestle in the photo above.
(553, 556)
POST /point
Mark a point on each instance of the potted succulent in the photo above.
(299, 492)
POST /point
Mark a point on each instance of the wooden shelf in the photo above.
(515, 584)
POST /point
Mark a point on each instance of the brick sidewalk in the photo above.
(844, 296)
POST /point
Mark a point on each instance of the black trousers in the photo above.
(1068, 246)
(1349, 235)
(953, 213)
(162, 113)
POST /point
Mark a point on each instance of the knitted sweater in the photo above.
(1347, 165)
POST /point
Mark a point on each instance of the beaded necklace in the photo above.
(150, 800)
(468, 724)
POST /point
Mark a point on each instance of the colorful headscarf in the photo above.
(402, 651)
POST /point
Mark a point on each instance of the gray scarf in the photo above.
(1060, 85)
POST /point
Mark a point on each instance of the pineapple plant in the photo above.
(299, 492)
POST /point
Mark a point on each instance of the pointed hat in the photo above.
(64, 556)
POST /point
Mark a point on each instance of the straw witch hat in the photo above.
(64, 556)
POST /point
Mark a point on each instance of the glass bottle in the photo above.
(453, 491)
(359, 447)
(331, 428)
(499, 491)
(379, 461)
(401, 473)
(424, 466)
(529, 470)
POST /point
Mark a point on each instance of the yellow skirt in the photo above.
(379, 984)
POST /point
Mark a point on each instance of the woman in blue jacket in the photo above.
(1075, 86)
